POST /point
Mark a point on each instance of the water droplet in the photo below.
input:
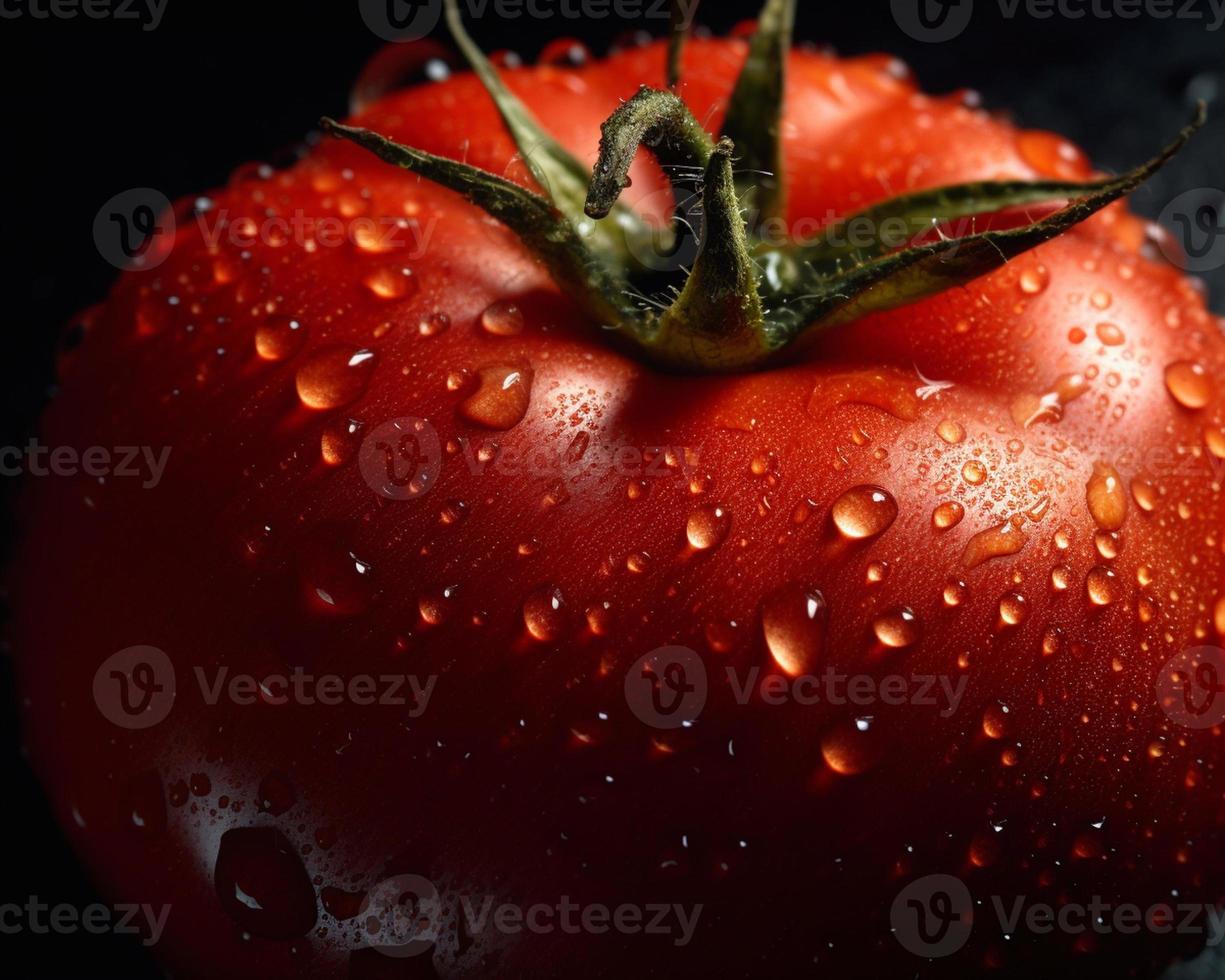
(955, 592)
(793, 621)
(391, 282)
(864, 512)
(707, 527)
(877, 572)
(1110, 334)
(1029, 409)
(995, 721)
(1144, 494)
(333, 576)
(995, 542)
(436, 605)
(1034, 280)
(599, 618)
(1188, 384)
(340, 440)
(262, 884)
(1218, 616)
(851, 747)
(897, 628)
(951, 432)
(433, 325)
(544, 613)
(276, 794)
(501, 398)
(947, 514)
(145, 803)
(974, 472)
(1061, 578)
(1102, 586)
(502, 319)
(1107, 500)
(1052, 641)
(1013, 609)
(1108, 544)
(334, 376)
(279, 337)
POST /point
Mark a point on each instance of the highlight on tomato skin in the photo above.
(709, 508)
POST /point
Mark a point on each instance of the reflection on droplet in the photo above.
(793, 621)
(955, 592)
(1013, 609)
(864, 512)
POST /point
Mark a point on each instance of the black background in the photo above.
(91, 108)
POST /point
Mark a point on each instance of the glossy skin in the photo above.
(527, 778)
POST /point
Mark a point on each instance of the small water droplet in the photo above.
(974, 472)
(955, 592)
(278, 338)
(897, 628)
(433, 325)
(1013, 609)
(502, 319)
(947, 514)
(1034, 280)
(1110, 334)
(544, 613)
(339, 441)
(391, 282)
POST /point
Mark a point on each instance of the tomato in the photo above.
(453, 595)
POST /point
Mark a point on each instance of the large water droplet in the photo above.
(707, 527)
(793, 621)
(334, 376)
(501, 398)
(262, 884)
(864, 512)
(1102, 585)
(1188, 384)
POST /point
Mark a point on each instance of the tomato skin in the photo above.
(526, 777)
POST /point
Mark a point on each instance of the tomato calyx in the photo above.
(715, 292)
